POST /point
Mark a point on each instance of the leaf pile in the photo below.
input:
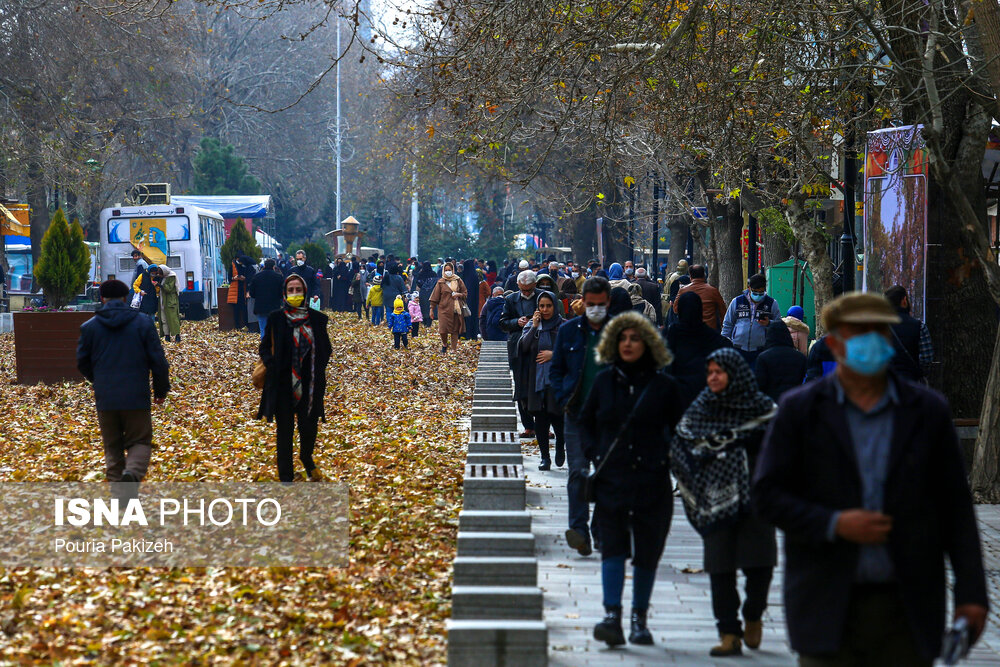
(391, 433)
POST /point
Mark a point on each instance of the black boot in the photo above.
(177, 338)
(560, 454)
(639, 633)
(545, 465)
(609, 630)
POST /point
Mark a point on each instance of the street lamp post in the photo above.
(847, 238)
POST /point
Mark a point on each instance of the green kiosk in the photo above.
(791, 284)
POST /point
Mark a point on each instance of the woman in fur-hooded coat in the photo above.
(634, 402)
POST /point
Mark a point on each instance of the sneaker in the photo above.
(577, 540)
(545, 465)
(609, 630)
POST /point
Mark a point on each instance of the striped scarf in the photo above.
(302, 335)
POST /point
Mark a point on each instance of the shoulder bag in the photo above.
(590, 481)
(259, 374)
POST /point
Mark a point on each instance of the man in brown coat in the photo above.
(713, 307)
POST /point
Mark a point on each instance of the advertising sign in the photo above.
(895, 199)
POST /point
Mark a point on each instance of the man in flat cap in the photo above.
(117, 351)
(863, 472)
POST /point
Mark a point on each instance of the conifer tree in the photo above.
(240, 242)
(64, 263)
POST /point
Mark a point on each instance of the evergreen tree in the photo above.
(240, 242)
(316, 253)
(219, 170)
(64, 262)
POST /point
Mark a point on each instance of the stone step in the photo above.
(497, 643)
(507, 457)
(495, 571)
(491, 422)
(494, 493)
(510, 448)
(492, 521)
(496, 544)
(496, 602)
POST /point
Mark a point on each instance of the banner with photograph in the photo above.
(895, 213)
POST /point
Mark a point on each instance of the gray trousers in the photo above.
(128, 441)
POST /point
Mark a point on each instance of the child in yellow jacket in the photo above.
(375, 300)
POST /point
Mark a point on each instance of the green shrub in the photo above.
(316, 253)
(240, 242)
(64, 262)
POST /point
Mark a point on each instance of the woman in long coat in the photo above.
(632, 404)
(170, 305)
(537, 342)
(733, 410)
(448, 297)
(296, 351)
(691, 341)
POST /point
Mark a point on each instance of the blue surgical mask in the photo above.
(868, 354)
(757, 298)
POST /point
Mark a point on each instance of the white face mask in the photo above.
(575, 274)
(596, 314)
(300, 262)
(448, 274)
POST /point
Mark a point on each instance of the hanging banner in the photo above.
(895, 213)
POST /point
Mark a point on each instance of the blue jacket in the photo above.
(740, 324)
(490, 319)
(398, 323)
(566, 370)
(117, 350)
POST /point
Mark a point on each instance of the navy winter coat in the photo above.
(566, 371)
(780, 366)
(117, 350)
(490, 319)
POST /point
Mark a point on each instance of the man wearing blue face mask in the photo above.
(862, 471)
(744, 325)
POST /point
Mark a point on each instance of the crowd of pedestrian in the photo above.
(634, 381)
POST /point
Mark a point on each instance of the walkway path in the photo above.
(681, 610)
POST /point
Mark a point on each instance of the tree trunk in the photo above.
(730, 261)
(985, 473)
(37, 201)
(775, 250)
(678, 240)
(814, 246)
(584, 231)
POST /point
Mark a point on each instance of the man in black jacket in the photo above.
(517, 311)
(911, 338)
(117, 351)
(266, 289)
(308, 274)
(863, 473)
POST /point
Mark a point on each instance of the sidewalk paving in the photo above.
(680, 616)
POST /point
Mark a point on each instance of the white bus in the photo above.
(184, 238)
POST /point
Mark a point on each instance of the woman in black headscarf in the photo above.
(537, 342)
(691, 341)
(296, 351)
(341, 286)
(731, 415)
(424, 282)
(471, 279)
(620, 302)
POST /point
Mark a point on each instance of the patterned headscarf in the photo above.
(302, 335)
(740, 402)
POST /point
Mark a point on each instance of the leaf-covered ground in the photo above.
(391, 434)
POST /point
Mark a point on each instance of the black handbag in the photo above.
(590, 481)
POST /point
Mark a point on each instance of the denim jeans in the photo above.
(579, 466)
(377, 312)
(262, 321)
